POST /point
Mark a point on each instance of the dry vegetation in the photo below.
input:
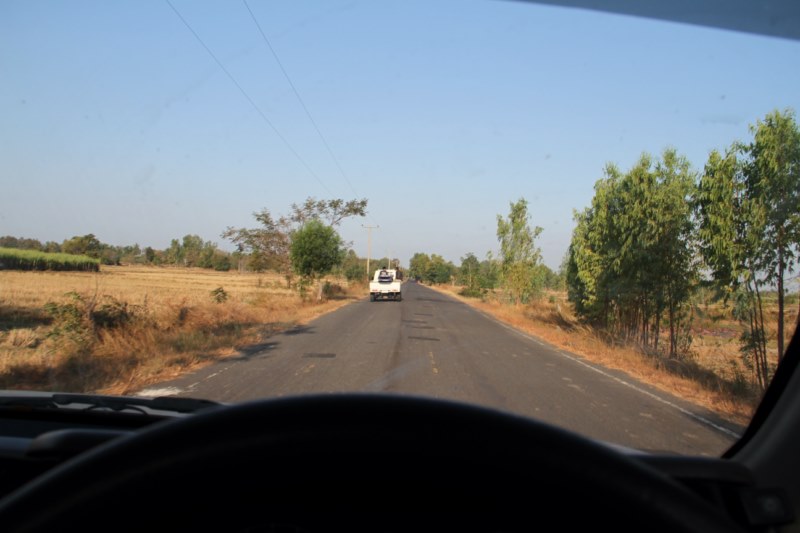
(141, 325)
(712, 376)
(125, 327)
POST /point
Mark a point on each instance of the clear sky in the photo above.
(116, 120)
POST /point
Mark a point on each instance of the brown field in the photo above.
(712, 376)
(132, 326)
(173, 323)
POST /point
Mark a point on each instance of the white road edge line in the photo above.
(631, 385)
(571, 357)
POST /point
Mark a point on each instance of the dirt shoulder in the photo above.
(552, 323)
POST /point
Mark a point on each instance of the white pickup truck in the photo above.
(387, 283)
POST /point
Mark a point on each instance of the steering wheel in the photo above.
(359, 462)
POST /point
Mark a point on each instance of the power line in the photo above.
(247, 96)
(299, 98)
(302, 102)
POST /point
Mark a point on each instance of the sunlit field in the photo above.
(122, 328)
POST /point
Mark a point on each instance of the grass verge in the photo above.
(712, 378)
(123, 328)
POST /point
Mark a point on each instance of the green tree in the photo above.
(268, 246)
(439, 270)
(315, 250)
(672, 257)
(489, 273)
(332, 212)
(748, 210)
(518, 252)
(728, 243)
(22, 243)
(51, 247)
(83, 245)
(630, 266)
(773, 183)
(550, 279)
(418, 266)
(354, 268)
(192, 250)
(174, 254)
(469, 271)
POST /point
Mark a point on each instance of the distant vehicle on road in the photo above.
(386, 284)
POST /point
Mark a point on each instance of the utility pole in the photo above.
(369, 243)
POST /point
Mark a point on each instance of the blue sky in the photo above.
(117, 121)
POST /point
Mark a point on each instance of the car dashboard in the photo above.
(38, 443)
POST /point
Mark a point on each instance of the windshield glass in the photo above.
(585, 218)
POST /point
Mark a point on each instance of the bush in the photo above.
(472, 292)
(329, 290)
(219, 295)
(111, 314)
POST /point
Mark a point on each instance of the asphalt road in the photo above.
(433, 345)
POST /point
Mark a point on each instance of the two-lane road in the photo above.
(433, 345)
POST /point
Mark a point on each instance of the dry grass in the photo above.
(172, 323)
(713, 377)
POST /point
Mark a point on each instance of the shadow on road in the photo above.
(270, 343)
(440, 300)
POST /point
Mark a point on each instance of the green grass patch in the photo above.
(14, 259)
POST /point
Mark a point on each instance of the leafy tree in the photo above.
(594, 246)
(192, 250)
(469, 271)
(439, 270)
(354, 268)
(550, 279)
(174, 254)
(51, 247)
(674, 268)
(418, 266)
(84, 245)
(315, 250)
(773, 183)
(748, 210)
(518, 252)
(330, 211)
(630, 264)
(221, 261)
(489, 273)
(21, 243)
(268, 246)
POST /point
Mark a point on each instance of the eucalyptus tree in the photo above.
(773, 182)
(519, 255)
(748, 205)
(729, 232)
(630, 265)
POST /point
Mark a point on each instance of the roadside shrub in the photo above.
(329, 290)
(472, 292)
(111, 314)
(219, 295)
(77, 323)
(72, 322)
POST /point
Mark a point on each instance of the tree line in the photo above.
(303, 242)
(517, 270)
(190, 251)
(655, 234)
